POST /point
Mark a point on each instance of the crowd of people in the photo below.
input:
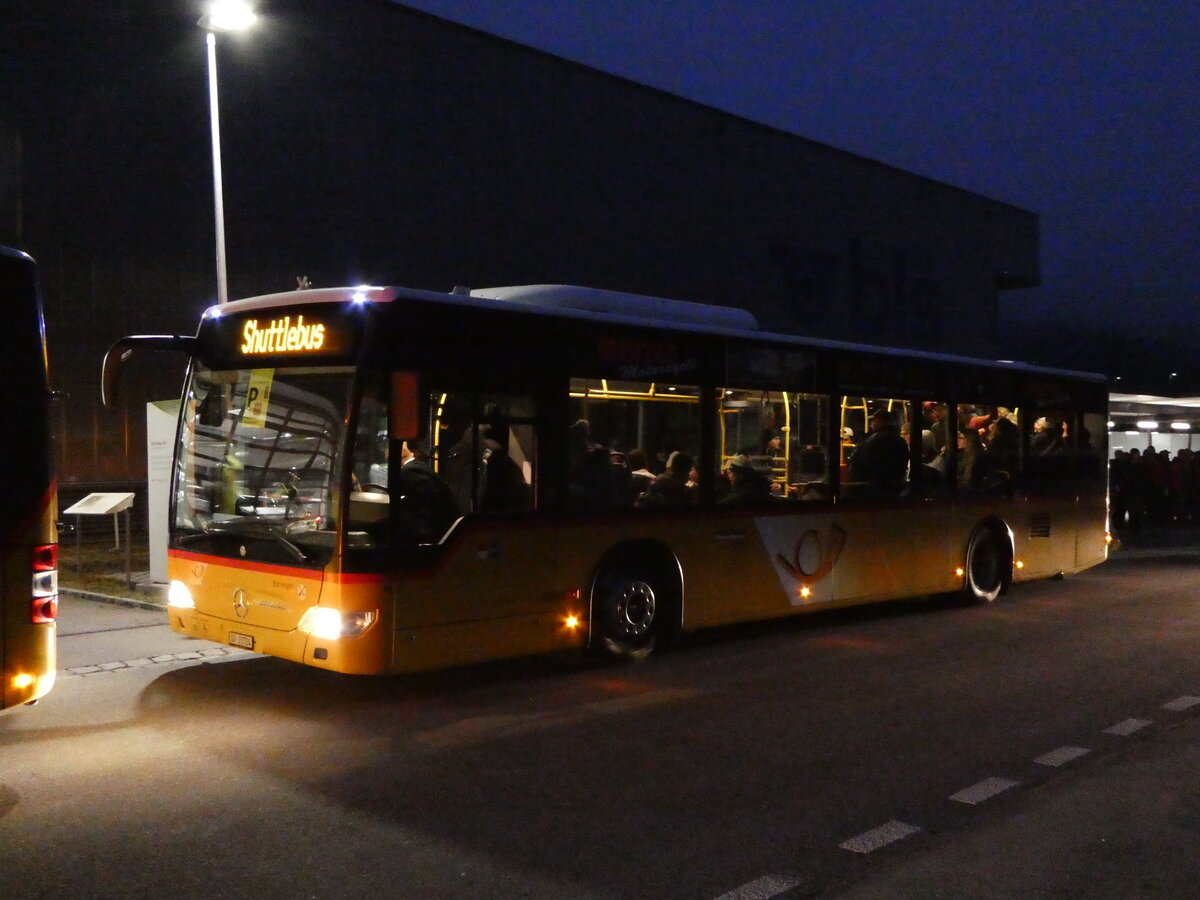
(1152, 488)
(603, 479)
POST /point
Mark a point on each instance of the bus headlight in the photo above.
(330, 624)
(179, 596)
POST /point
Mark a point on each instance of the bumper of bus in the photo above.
(366, 654)
(30, 665)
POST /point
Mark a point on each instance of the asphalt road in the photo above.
(1045, 745)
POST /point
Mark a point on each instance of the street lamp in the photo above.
(226, 16)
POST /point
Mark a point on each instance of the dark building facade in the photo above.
(365, 142)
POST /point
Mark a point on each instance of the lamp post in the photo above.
(225, 16)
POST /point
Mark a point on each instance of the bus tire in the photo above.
(988, 566)
(633, 608)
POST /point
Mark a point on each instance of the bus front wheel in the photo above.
(984, 575)
(628, 611)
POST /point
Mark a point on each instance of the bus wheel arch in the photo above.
(988, 563)
(636, 600)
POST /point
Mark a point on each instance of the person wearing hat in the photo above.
(881, 460)
(772, 442)
(748, 486)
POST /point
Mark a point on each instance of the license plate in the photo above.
(245, 641)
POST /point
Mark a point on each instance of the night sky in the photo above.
(1087, 113)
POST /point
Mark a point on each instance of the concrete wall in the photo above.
(366, 142)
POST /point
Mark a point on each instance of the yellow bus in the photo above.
(376, 479)
(28, 536)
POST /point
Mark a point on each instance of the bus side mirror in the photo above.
(404, 411)
(110, 375)
(123, 348)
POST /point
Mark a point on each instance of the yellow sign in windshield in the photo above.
(258, 397)
(282, 336)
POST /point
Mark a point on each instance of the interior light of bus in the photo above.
(44, 585)
(179, 596)
(1147, 424)
(1181, 426)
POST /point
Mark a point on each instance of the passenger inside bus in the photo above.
(639, 475)
(881, 461)
(425, 507)
(504, 487)
(1047, 437)
(748, 487)
(670, 489)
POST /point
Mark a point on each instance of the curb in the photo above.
(109, 598)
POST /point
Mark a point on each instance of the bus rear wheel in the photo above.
(984, 575)
(629, 613)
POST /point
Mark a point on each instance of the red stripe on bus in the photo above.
(275, 569)
(250, 565)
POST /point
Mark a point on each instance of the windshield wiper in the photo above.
(257, 533)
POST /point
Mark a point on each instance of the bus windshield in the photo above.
(258, 462)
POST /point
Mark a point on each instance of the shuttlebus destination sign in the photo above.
(305, 331)
(283, 335)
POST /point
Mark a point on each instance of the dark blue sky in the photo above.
(1087, 113)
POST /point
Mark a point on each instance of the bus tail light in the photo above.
(44, 600)
(329, 624)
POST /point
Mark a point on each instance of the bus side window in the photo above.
(487, 451)
(369, 511)
(878, 465)
(621, 437)
(808, 456)
(755, 444)
(1050, 447)
(990, 450)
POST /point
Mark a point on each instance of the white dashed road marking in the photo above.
(1128, 727)
(1061, 756)
(761, 888)
(872, 840)
(1181, 703)
(984, 790)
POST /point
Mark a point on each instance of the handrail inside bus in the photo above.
(123, 348)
